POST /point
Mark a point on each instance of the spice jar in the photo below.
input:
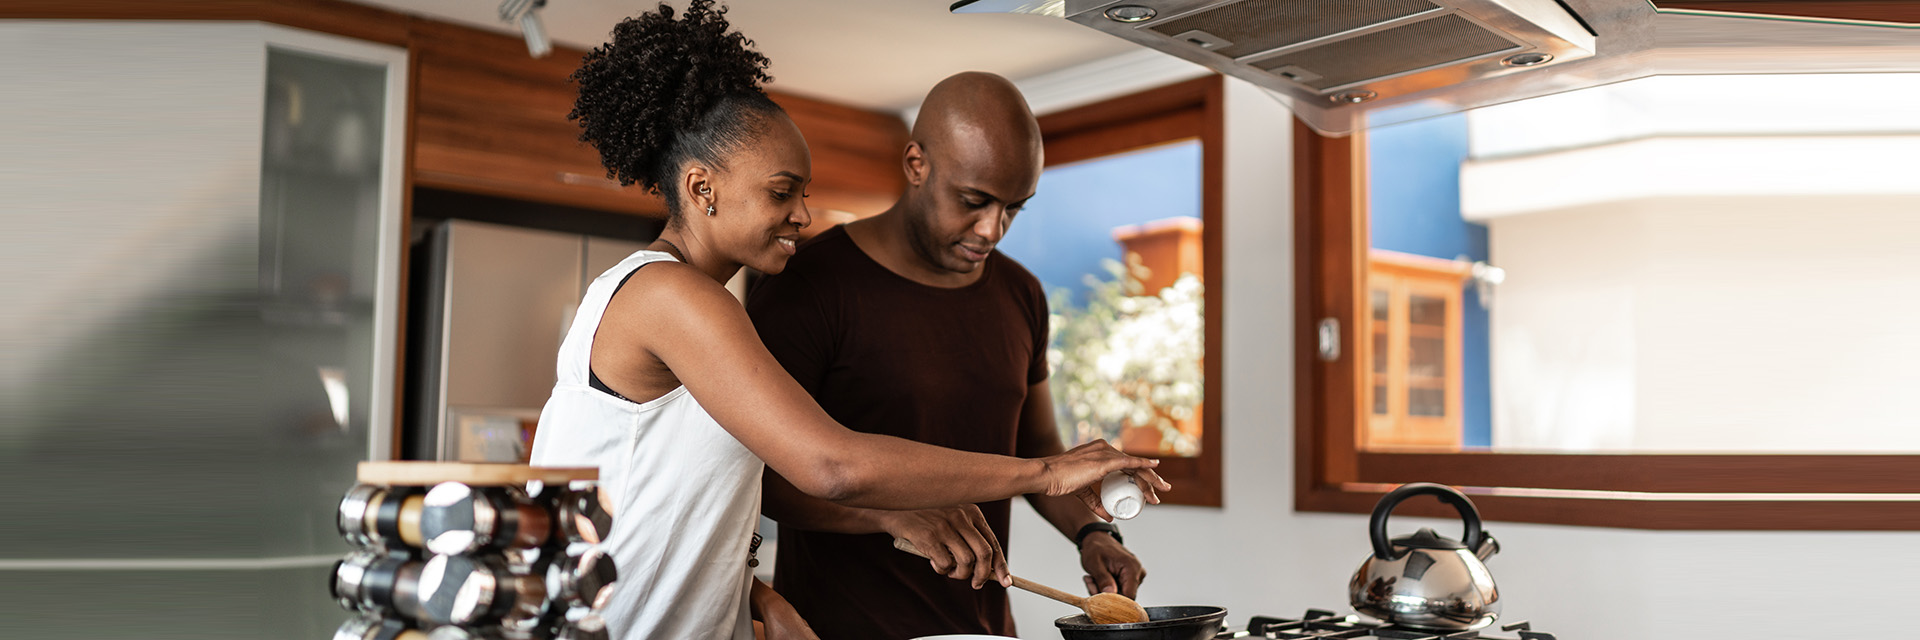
(365, 581)
(586, 580)
(582, 517)
(379, 517)
(352, 517)
(466, 590)
(463, 633)
(457, 518)
(588, 627)
(371, 628)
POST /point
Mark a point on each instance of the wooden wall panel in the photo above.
(857, 154)
(487, 118)
(327, 16)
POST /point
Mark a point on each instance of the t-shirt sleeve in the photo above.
(1037, 370)
(791, 318)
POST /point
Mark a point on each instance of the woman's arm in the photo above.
(704, 337)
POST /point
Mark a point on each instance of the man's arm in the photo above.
(1110, 567)
(956, 540)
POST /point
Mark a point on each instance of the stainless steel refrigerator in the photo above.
(491, 305)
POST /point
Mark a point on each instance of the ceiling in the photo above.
(877, 54)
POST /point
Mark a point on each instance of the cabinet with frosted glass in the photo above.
(209, 223)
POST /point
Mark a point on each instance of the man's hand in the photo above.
(1111, 568)
(777, 617)
(956, 540)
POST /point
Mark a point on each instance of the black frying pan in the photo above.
(1191, 622)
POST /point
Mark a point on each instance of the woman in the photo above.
(663, 383)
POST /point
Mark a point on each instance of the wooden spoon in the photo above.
(1101, 608)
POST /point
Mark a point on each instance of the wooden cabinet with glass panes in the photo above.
(1412, 342)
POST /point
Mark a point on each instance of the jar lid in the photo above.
(352, 518)
(588, 627)
(460, 590)
(370, 628)
(582, 518)
(458, 519)
(345, 581)
(586, 580)
(463, 633)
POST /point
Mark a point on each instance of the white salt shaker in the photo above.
(1121, 496)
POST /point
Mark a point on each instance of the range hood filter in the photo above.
(1427, 44)
(1254, 26)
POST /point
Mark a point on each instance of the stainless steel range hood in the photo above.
(1345, 65)
(1339, 51)
(1351, 50)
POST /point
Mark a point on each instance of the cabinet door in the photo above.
(1413, 346)
(201, 347)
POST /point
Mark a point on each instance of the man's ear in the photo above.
(915, 164)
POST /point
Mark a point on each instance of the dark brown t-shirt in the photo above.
(883, 354)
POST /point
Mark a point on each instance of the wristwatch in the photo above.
(1079, 539)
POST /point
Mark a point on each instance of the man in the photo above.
(908, 324)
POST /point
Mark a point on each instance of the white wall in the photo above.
(1257, 556)
(1724, 323)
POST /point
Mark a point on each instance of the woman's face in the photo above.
(759, 205)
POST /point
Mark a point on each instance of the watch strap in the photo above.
(1079, 539)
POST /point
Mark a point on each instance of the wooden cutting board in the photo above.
(411, 473)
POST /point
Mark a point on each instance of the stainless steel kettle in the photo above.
(1423, 580)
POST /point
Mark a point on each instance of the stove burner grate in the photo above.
(1318, 624)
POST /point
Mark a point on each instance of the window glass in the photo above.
(1672, 264)
(1116, 242)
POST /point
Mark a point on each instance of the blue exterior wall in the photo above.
(1067, 228)
(1413, 188)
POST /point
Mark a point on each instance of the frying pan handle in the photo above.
(1377, 525)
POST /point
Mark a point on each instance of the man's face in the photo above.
(968, 200)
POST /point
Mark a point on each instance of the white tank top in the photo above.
(685, 494)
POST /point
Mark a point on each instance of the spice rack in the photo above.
(462, 551)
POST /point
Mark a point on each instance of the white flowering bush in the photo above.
(1126, 359)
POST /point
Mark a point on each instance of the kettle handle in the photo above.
(1377, 525)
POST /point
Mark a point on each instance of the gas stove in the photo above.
(1327, 625)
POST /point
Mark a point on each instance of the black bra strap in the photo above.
(593, 379)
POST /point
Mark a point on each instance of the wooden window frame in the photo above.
(1188, 110)
(1640, 491)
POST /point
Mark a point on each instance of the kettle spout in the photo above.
(1488, 547)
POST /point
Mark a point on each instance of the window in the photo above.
(1353, 444)
(1125, 233)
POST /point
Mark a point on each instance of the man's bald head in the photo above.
(978, 117)
(972, 165)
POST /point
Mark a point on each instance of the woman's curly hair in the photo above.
(664, 92)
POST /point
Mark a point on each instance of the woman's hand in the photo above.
(777, 616)
(1080, 469)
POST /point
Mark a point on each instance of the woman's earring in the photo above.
(709, 210)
